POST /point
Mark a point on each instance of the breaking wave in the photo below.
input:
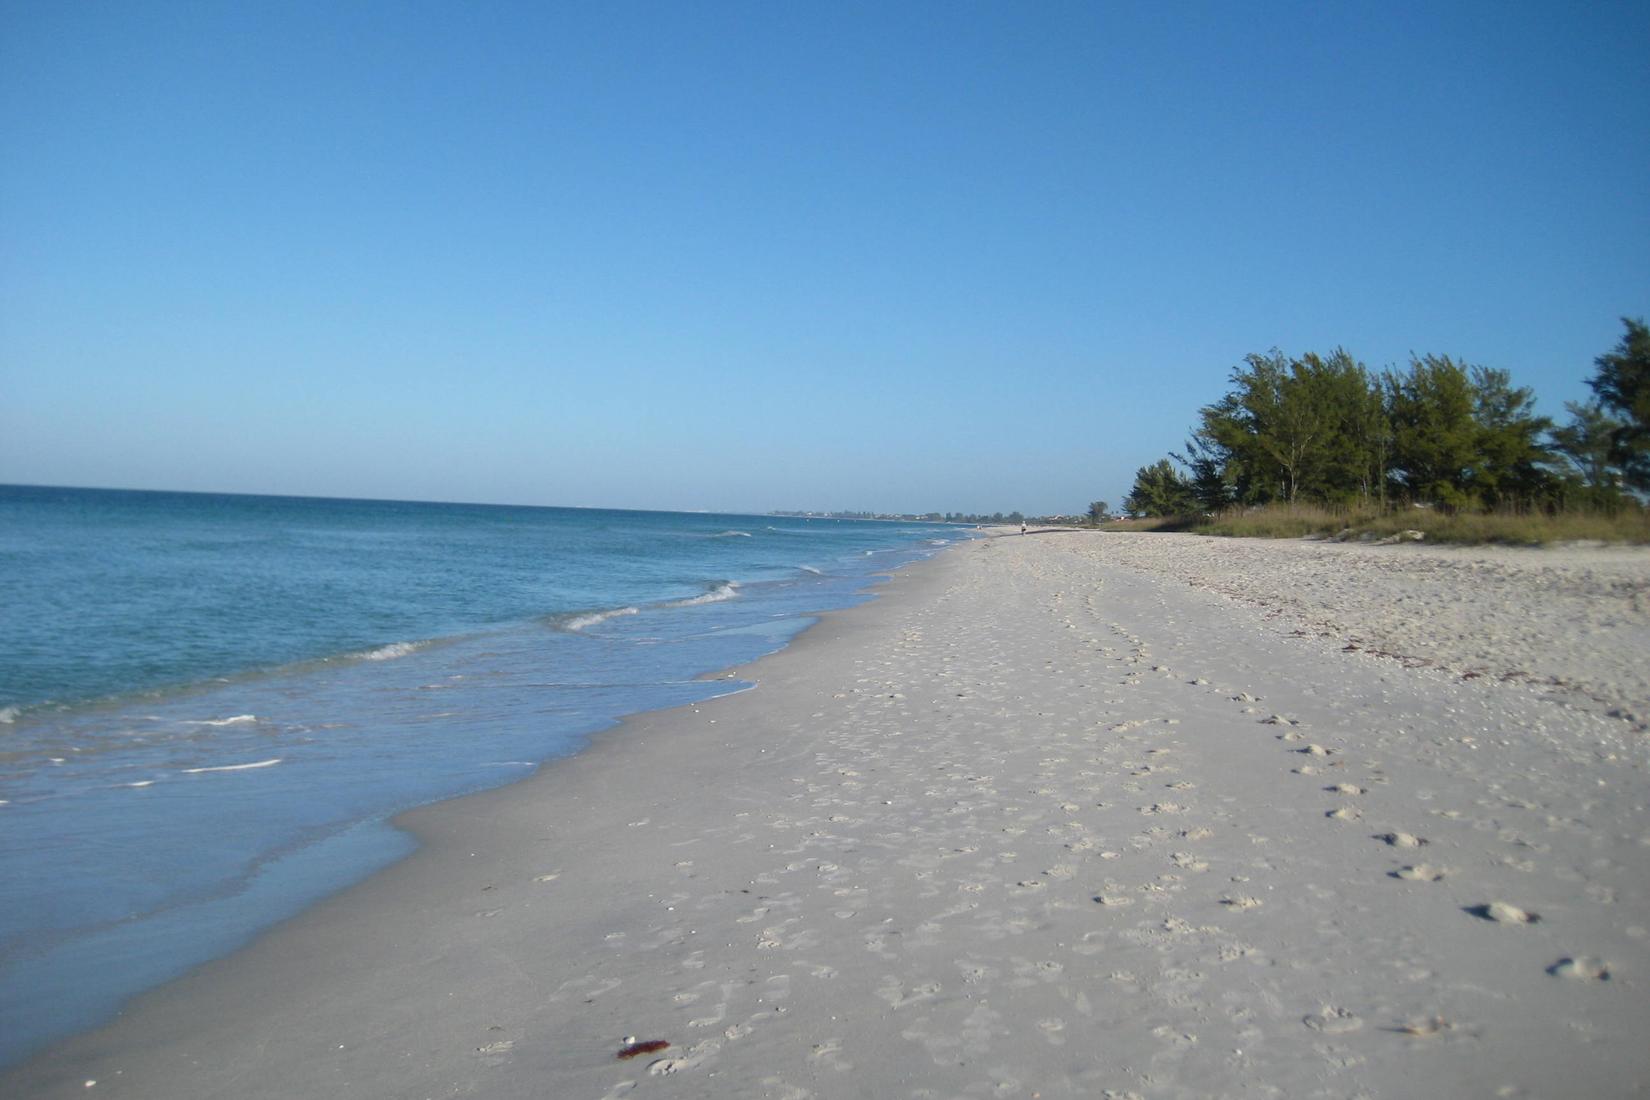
(234, 767)
(392, 651)
(721, 590)
(591, 618)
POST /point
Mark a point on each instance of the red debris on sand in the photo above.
(648, 1047)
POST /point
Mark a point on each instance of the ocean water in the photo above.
(211, 705)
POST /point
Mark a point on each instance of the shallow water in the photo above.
(212, 705)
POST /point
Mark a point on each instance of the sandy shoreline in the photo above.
(1067, 815)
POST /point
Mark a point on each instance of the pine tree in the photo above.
(1622, 386)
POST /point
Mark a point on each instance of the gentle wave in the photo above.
(237, 720)
(234, 767)
(392, 651)
(721, 590)
(579, 622)
(8, 715)
(811, 569)
(732, 535)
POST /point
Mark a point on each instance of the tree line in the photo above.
(1327, 429)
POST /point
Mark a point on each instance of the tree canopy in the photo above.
(1323, 427)
(1622, 386)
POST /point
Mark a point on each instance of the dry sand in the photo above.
(1059, 816)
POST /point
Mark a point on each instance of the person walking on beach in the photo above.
(1022, 527)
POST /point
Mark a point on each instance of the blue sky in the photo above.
(953, 256)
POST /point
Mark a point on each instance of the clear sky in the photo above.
(908, 256)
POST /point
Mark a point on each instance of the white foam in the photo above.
(234, 767)
(237, 720)
(579, 622)
(142, 783)
(726, 590)
(731, 535)
(392, 651)
(8, 715)
(811, 569)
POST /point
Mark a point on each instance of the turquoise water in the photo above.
(210, 705)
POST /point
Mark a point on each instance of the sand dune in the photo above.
(1063, 816)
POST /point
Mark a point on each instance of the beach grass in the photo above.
(1367, 523)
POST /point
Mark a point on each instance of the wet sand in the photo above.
(1056, 816)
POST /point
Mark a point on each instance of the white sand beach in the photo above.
(1064, 815)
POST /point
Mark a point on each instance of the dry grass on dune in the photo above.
(1279, 521)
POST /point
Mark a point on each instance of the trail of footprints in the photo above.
(1097, 810)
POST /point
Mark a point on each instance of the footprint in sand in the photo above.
(1240, 904)
(1581, 968)
(1345, 788)
(1345, 813)
(1419, 872)
(898, 996)
(1402, 840)
(1333, 1021)
(829, 1054)
(495, 1052)
(1502, 913)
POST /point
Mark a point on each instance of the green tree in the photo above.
(1509, 467)
(1586, 445)
(1211, 467)
(1290, 428)
(1098, 510)
(1285, 414)
(1224, 457)
(1622, 386)
(1159, 490)
(1434, 434)
(1351, 463)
